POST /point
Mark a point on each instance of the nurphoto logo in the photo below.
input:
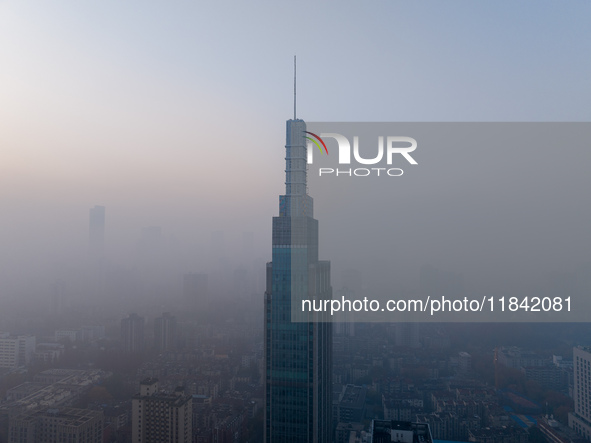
(394, 146)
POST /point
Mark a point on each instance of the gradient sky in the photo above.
(173, 114)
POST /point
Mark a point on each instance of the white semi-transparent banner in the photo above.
(462, 222)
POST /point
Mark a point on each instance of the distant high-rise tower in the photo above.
(132, 333)
(407, 334)
(195, 290)
(298, 355)
(165, 332)
(159, 417)
(58, 297)
(580, 418)
(16, 351)
(96, 230)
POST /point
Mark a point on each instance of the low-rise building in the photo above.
(57, 425)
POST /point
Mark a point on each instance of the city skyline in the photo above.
(150, 285)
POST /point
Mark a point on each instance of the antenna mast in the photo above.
(294, 87)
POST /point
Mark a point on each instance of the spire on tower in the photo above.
(294, 87)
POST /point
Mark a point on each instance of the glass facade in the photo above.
(298, 357)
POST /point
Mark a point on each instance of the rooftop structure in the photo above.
(386, 431)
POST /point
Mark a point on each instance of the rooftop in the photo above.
(383, 431)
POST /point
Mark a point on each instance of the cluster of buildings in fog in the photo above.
(404, 377)
(158, 352)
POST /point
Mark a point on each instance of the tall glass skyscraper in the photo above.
(298, 345)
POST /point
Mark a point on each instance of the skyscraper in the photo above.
(195, 290)
(96, 230)
(165, 332)
(132, 333)
(298, 347)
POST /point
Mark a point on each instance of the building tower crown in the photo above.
(296, 158)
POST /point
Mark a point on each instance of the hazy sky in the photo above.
(172, 114)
